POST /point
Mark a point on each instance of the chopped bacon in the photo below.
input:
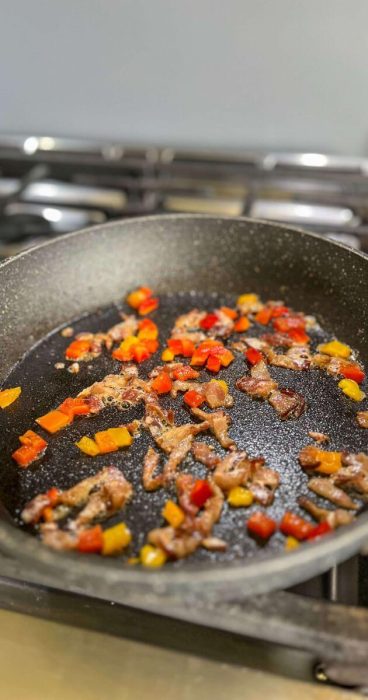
(362, 419)
(188, 326)
(32, 512)
(218, 423)
(354, 473)
(214, 544)
(181, 386)
(309, 457)
(150, 464)
(54, 537)
(326, 488)
(177, 545)
(177, 455)
(211, 512)
(233, 470)
(216, 396)
(156, 418)
(318, 437)
(335, 518)
(109, 476)
(259, 384)
(127, 327)
(264, 482)
(277, 340)
(223, 326)
(184, 487)
(205, 454)
(121, 390)
(296, 358)
(289, 404)
(171, 438)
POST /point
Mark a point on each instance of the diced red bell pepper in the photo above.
(264, 316)
(77, 349)
(298, 336)
(141, 352)
(75, 407)
(352, 372)
(31, 439)
(151, 344)
(213, 364)
(175, 345)
(148, 305)
(261, 525)
(162, 384)
(199, 357)
(242, 324)
(193, 398)
(278, 311)
(230, 313)
(91, 541)
(53, 496)
(284, 324)
(208, 321)
(253, 356)
(185, 372)
(292, 524)
(320, 530)
(201, 492)
(188, 347)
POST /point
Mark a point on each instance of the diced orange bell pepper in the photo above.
(147, 306)
(75, 407)
(199, 357)
(162, 384)
(25, 455)
(284, 324)
(91, 541)
(299, 336)
(135, 298)
(226, 358)
(213, 363)
(53, 421)
(105, 442)
(231, 313)
(173, 514)
(184, 372)
(77, 349)
(330, 462)
(188, 347)
(8, 396)
(53, 496)
(147, 330)
(264, 316)
(261, 525)
(31, 439)
(175, 346)
(242, 324)
(150, 344)
(193, 398)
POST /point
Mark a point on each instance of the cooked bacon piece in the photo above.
(256, 343)
(211, 512)
(288, 403)
(216, 396)
(157, 420)
(32, 511)
(362, 419)
(97, 342)
(320, 361)
(112, 495)
(318, 437)
(205, 453)
(150, 464)
(259, 384)
(176, 544)
(184, 486)
(171, 438)
(170, 368)
(354, 473)
(309, 457)
(177, 455)
(297, 358)
(214, 544)
(218, 423)
(233, 470)
(277, 340)
(264, 482)
(127, 327)
(188, 326)
(62, 540)
(185, 386)
(335, 518)
(121, 390)
(326, 488)
(223, 327)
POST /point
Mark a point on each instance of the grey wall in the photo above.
(277, 73)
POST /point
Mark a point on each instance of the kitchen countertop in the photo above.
(40, 659)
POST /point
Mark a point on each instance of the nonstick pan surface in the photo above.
(88, 272)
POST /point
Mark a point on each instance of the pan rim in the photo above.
(323, 553)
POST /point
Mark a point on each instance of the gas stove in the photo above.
(49, 186)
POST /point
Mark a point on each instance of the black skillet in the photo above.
(90, 271)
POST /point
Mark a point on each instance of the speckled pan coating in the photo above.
(87, 271)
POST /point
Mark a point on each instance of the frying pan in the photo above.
(88, 271)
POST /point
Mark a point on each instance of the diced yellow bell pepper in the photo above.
(121, 436)
(222, 383)
(133, 560)
(239, 497)
(335, 349)
(167, 355)
(129, 342)
(152, 557)
(330, 462)
(88, 446)
(291, 543)
(247, 299)
(8, 396)
(352, 389)
(173, 514)
(115, 539)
